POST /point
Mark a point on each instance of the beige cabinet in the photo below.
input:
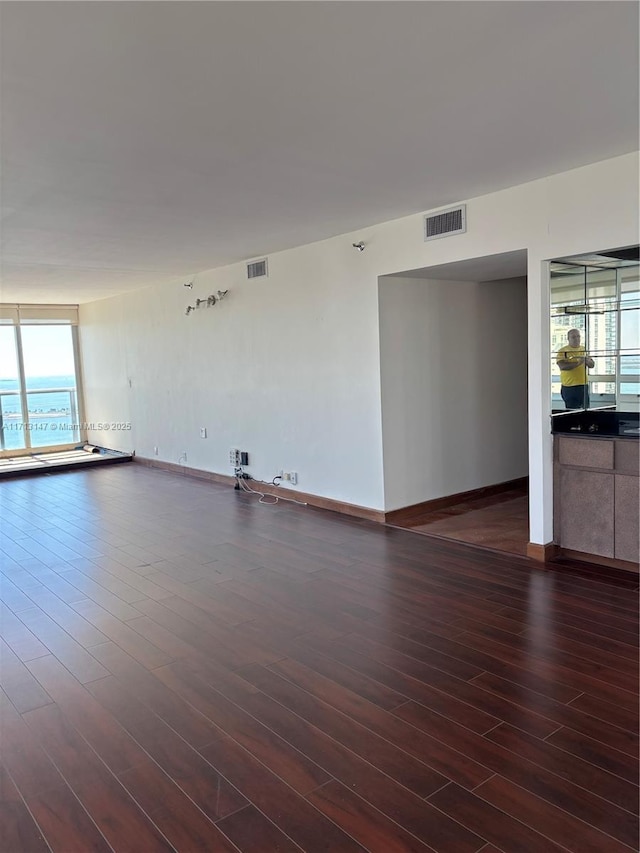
(627, 518)
(596, 496)
(587, 511)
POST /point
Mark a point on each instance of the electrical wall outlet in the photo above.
(293, 478)
(234, 457)
(203, 432)
(244, 457)
(155, 450)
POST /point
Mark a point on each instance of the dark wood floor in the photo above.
(496, 521)
(185, 669)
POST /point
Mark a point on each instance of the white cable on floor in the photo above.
(245, 488)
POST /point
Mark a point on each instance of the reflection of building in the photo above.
(603, 335)
(595, 294)
(563, 293)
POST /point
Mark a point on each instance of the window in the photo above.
(39, 397)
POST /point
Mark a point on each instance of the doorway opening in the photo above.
(485, 517)
(453, 348)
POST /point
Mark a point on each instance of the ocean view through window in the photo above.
(51, 413)
(39, 405)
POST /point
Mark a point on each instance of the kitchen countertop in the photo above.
(597, 423)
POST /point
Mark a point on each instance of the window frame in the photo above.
(17, 317)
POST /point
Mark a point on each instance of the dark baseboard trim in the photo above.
(542, 553)
(409, 513)
(596, 559)
(267, 489)
(175, 468)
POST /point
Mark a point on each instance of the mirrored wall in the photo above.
(595, 331)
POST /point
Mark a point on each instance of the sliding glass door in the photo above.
(39, 395)
(51, 385)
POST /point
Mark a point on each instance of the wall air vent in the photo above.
(257, 269)
(446, 222)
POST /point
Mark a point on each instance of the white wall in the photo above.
(454, 386)
(288, 369)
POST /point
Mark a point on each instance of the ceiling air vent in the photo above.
(257, 269)
(446, 222)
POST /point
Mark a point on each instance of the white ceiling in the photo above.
(143, 142)
(487, 268)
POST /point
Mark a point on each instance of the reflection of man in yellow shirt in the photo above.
(573, 362)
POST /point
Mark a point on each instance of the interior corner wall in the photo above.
(454, 386)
